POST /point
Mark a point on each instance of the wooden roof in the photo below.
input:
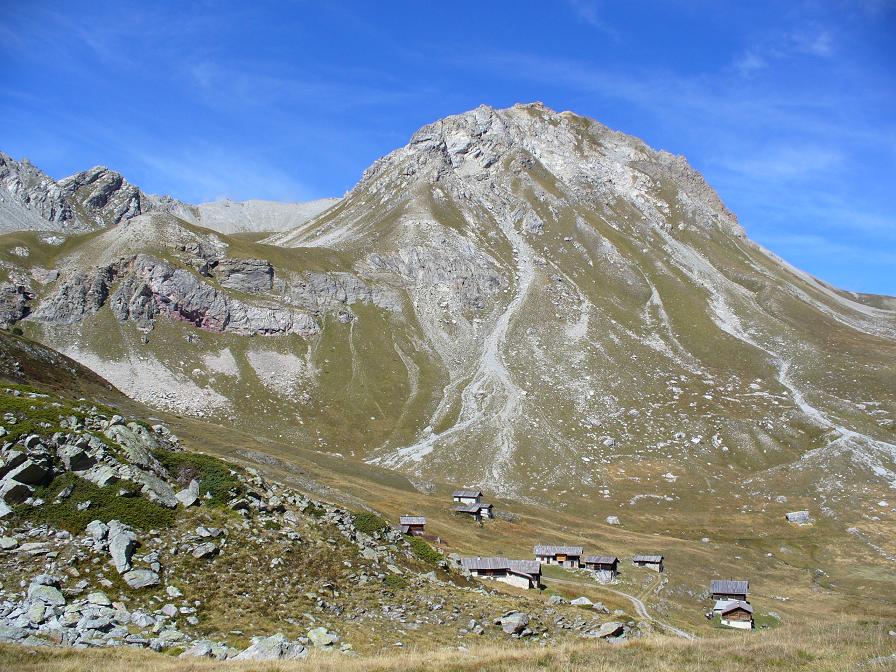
(737, 604)
(530, 567)
(600, 559)
(558, 550)
(729, 587)
(412, 520)
(652, 559)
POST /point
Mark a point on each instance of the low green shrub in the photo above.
(105, 504)
(214, 475)
(395, 582)
(314, 510)
(424, 551)
(369, 523)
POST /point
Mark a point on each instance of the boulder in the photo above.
(322, 638)
(611, 629)
(275, 647)
(612, 520)
(203, 648)
(97, 529)
(798, 517)
(99, 599)
(11, 460)
(47, 594)
(74, 458)
(513, 622)
(581, 602)
(31, 472)
(101, 475)
(189, 495)
(206, 550)
(8, 543)
(13, 492)
(155, 488)
(141, 578)
(122, 544)
(556, 599)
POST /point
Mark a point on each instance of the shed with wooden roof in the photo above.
(467, 496)
(729, 589)
(654, 562)
(564, 556)
(414, 525)
(737, 614)
(477, 510)
(519, 573)
(605, 567)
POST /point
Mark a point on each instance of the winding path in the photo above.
(640, 608)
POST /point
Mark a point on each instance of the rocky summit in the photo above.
(518, 300)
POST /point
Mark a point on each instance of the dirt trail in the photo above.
(639, 605)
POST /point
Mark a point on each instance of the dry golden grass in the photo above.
(819, 647)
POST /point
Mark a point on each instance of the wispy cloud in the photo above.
(589, 12)
(812, 42)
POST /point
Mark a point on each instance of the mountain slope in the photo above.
(518, 299)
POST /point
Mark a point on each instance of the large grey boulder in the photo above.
(275, 647)
(205, 550)
(798, 517)
(101, 475)
(581, 602)
(189, 495)
(13, 492)
(31, 472)
(74, 458)
(513, 622)
(155, 488)
(322, 638)
(11, 459)
(97, 529)
(203, 648)
(138, 444)
(611, 629)
(141, 578)
(45, 589)
(122, 544)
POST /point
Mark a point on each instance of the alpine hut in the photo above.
(737, 614)
(519, 573)
(654, 562)
(467, 496)
(605, 567)
(729, 589)
(564, 556)
(413, 525)
(477, 510)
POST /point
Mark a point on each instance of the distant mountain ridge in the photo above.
(30, 200)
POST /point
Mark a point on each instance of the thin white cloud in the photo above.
(588, 12)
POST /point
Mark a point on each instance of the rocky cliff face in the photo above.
(95, 198)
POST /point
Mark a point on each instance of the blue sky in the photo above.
(788, 108)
